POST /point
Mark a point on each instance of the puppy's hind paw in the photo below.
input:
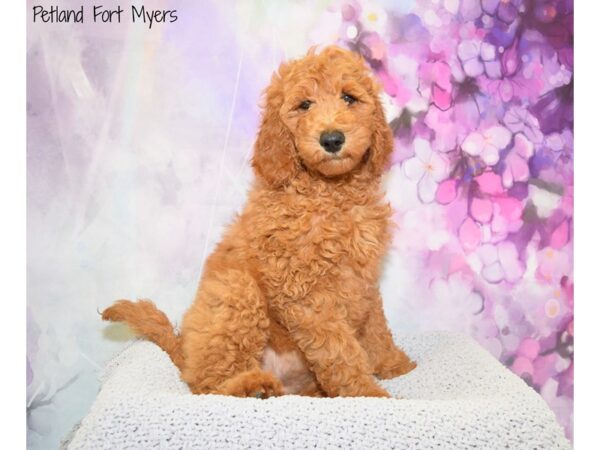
(253, 383)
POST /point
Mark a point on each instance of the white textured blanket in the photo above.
(458, 397)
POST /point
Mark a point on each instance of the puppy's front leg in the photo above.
(388, 361)
(339, 362)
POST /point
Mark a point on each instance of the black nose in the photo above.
(332, 141)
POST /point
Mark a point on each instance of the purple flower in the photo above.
(505, 10)
(479, 57)
(554, 110)
(518, 120)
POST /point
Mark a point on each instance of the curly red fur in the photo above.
(289, 301)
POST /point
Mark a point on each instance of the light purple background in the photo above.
(138, 150)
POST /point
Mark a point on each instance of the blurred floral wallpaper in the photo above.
(138, 155)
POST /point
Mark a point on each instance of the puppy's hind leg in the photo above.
(224, 336)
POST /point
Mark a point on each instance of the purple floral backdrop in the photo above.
(138, 148)
(482, 93)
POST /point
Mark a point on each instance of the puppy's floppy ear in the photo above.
(383, 140)
(274, 160)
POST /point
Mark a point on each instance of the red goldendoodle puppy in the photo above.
(289, 301)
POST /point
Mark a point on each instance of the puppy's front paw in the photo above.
(376, 391)
(395, 365)
(368, 388)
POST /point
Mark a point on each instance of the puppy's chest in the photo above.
(302, 245)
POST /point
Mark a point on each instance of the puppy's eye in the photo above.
(349, 98)
(305, 105)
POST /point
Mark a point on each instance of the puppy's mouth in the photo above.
(343, 155)
(331, 164)
(340, 163)
(335, 156)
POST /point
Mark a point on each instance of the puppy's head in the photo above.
(322, 112)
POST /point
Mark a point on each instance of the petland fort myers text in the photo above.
(103, 14)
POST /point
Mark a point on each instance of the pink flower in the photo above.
(446, 192)
(469, 234)
(374, 46)
(428, 168)
(489, 183)
(522, 366)
(508, 212)
(452, 126)
(517, 168)
(529, 348)
(495, 213)
(481, 209)
(435, 83)
(560, 235)
(501, 262)
(552, 265)
(544, 368)
(487, 144)
(445, 128)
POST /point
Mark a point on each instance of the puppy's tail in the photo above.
(146, 320)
